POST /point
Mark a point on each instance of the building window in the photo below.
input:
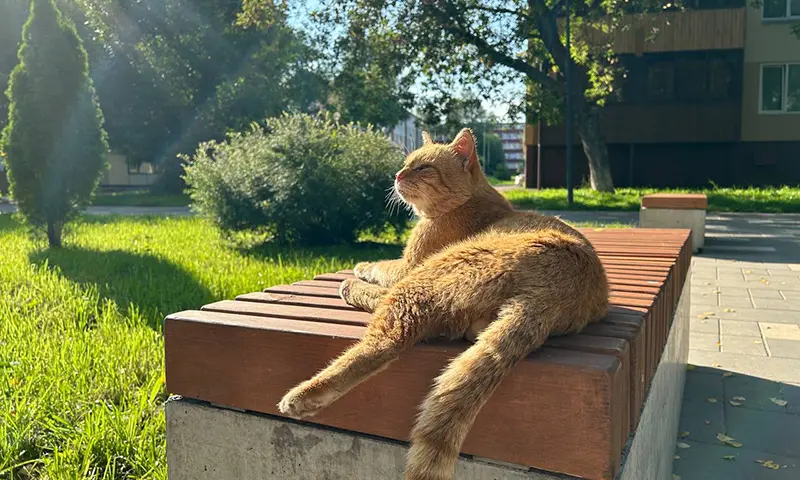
(777, 9)
(780, 88)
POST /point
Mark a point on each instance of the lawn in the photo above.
(496, 182)
(767, 200)
(81, 351)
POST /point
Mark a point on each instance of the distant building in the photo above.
(512, 137)
(407, 134)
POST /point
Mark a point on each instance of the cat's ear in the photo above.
(464, 144)
(426, 138)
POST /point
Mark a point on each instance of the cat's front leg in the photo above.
(361, 294)
(385, 273)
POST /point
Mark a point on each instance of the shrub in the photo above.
(501, 172)
(54, 142)
(302, 179)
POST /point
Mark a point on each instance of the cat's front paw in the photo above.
(305, 400)
(363, 270)
(346, 290)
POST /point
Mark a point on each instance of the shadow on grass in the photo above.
(359, 251)
(149, 285)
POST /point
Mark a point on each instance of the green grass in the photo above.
(81, 350)
(766, 200)
(494, 181)
(139, 199)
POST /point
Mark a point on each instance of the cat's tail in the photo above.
(466, 384)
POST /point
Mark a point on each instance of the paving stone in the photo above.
(784, 348)
(730, 291)
(742, 329)
(791, 295)
(704, 461)
(694, 415)
(748, 314)
(775, 433)
(705, 299)
(757, 392)
(770, 368)
(779, 331)
(795, 267)
(758, 294)
(704, 341)
(710, 325)
(735, 302)
(776, 304)
(791, 393)
(743, 345)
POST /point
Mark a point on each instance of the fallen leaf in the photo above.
(682, 445)
(748, 271)
(729, 310)
(716, 290)
(676, 477)
(711, 400)
(729, 458)
(728, 440)
(757, 342)
(727, 374)
(689, 368)
(715, 365)
(735, 404)
(708, 422)
(676, 457)
(739, 399)
(769, 464)
(778, 402)
(708, 313)
(683, 434)
(719, 344)
(702, 317)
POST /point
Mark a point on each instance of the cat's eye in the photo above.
(421, 168)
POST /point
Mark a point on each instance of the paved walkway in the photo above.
(126, 211)
(745, 342)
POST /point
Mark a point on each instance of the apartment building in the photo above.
(714, 96)
(511, 136)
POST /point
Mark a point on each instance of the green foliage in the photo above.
(750, 199)
(490, 148)
(301, 179)
(502, 173)
(54, 143)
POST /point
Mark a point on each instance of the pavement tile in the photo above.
(760, 293)
(704, 341)
(775, 433)
(742, 329)
(742, 345)
(781, 304)
(771, 368)
(709, 325)
(704, 461)
(736, 302)
(757, 392)
(779, 331)
(705, 299)
(749, 314)
(784, 348)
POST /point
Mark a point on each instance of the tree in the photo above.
(489, 43)
(54, 142)
(12, 15)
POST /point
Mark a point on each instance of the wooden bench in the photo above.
(676, 210)
(571, 407)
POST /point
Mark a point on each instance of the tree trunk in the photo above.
(54, 230)
(594, 146)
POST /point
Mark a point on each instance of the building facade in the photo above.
(513, 147)
(714, 96)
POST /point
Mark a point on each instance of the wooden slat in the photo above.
(680, 201)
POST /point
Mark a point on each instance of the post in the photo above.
(568, 78)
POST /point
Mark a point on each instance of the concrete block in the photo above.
(694, 219)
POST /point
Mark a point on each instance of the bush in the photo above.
(54, 142)
(501, 172)
(302, 179)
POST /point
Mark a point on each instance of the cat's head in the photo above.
(439, 177)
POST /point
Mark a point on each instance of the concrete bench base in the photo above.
(206, 442)
(694, 219)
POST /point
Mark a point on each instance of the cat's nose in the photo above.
(399, 175)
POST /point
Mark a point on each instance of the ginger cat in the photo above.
(473, 268)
